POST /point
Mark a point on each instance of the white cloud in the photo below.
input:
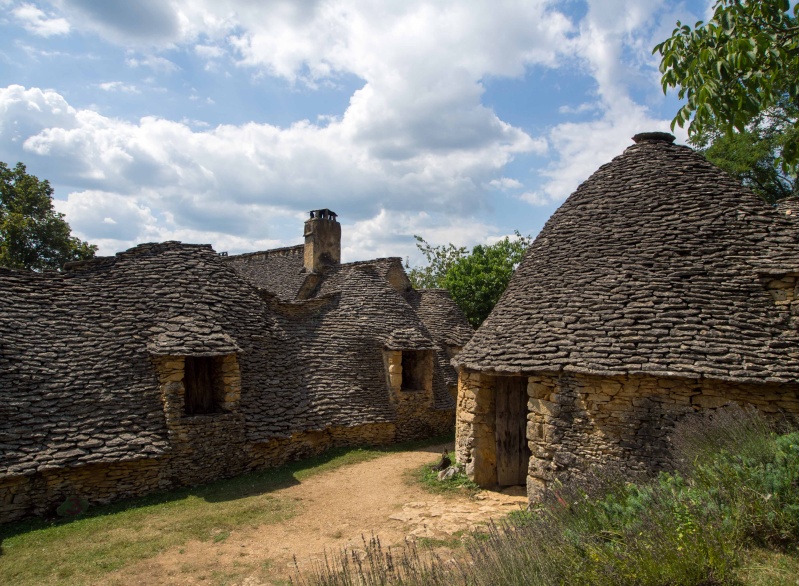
(580, 109)
(154, 62)
(390, 233)
(505, 183)
(209, 51)
(614, 43)
(118, 86)
(534, 198)
(105, 215)
(416, 137)
(225, 180)
(584, 147)
(38, 22)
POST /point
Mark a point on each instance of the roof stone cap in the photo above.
(653, 136)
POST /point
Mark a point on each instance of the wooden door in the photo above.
(513, 454)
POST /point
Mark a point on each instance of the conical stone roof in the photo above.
(659, 263)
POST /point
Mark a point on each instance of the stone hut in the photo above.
(660, 287)
(166, 365)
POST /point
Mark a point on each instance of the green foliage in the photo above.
(476, 280)
(738, 66)
(459, 483)
(735, 487)
(32, 234)
(752, 156)
(439, 261)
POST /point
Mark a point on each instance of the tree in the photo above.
(32, 234)
(475, 280)
(752, 156)
(439, 261)
(737, 70)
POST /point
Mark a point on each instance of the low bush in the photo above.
(734, 486)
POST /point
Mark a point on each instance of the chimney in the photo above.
(322, 240)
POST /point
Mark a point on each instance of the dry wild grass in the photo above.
(727, 514)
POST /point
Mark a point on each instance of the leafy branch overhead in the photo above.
(32, 234)
(741, 65)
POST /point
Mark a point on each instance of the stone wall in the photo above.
(41, 493)
(200, 456)
(207, 447)
(475, 424)
(416, 416)
(577, 421)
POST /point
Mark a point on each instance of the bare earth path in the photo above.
(333, 510)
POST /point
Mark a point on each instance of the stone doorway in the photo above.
(512, 450)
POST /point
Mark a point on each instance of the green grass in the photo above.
(106, 538)
(427, 477)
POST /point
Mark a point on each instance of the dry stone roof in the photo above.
(279, 271)
(441, 315)
(77, 380)
(659, 263)
(386, 305)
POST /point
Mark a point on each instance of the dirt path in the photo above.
(334, 509)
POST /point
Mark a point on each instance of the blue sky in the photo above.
(225, 121)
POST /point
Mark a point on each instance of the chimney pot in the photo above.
(322, 240)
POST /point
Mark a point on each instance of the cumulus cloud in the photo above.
(390, 233)
(415, 138)
(36, 21)
(226, 179)
(614, 43)
(505, 183)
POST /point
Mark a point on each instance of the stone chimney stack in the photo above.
(322, 240)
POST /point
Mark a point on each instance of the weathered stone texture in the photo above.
(658, 264)
(660, 287)
(92, 365)
(577, 421)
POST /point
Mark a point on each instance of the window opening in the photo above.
(413, 370)
(203, 386)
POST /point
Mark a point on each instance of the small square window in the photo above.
(415, 370)
(204, 388)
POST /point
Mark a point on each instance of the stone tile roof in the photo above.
(790, 207)
(449, 328)
(441, 315)
(280, 271)
(76, 379)
(77, 383)
(657, 264)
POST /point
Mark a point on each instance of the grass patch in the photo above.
(427, 477)
(454, 541)
(106, 538)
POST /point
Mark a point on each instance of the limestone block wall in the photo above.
(312, 443)
(40, 494)
(207, 447)
(416, 416)
(204, 447)
(475, 425)
(576, 421)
